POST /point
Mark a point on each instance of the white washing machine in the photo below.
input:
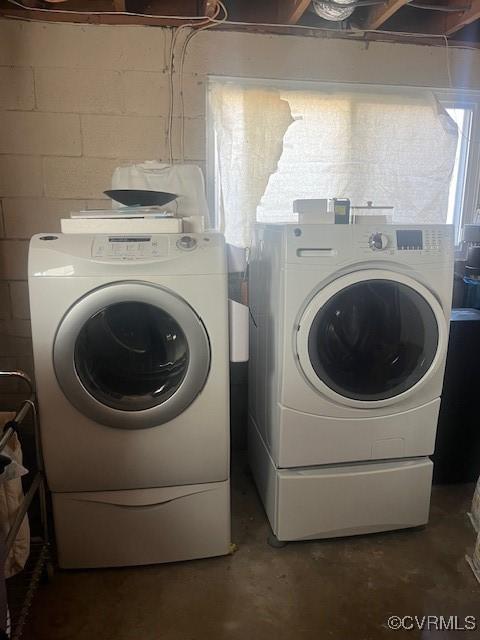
(130, 338)
(348, 337)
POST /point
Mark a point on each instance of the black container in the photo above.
(458, 284)
(457, 448)
(472, 265)
(238, 405)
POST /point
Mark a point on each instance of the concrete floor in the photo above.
(344, 588)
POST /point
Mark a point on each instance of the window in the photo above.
(462, 116)
(273, 142)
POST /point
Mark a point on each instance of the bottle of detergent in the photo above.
(472, 278)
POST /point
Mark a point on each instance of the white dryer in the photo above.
(130, 338)
(348, 335)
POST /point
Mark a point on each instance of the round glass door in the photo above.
(372, 339)
(131, 355)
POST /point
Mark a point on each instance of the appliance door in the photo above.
(371, 338)
(131, 355)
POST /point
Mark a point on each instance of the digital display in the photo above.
(124, 239)
(409, 239)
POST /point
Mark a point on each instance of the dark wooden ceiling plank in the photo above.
(290, 11)
(456, 21)
(381, 13)
(449, 23)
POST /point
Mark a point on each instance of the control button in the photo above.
(378, 242)
(187, 243)
(49, 238)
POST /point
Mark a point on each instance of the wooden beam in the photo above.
(290, 11)
(381, 13)
(9, 11)
(457, 21)
(449, 23)
(107, 11)
(359, 36)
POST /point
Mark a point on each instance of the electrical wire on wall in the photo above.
(195, 24)
(449, 71)
(195, 29)
(183, 53)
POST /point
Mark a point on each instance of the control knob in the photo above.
(378, 241)
(187, 243)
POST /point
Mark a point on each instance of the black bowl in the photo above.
(140, 197)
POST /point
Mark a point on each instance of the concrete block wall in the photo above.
(74, 104)
(78, 100)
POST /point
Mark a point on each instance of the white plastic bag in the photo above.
(12, 470)
(11, 498)
(474, 560)
(475, 511)
(185, 180)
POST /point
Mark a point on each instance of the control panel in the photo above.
(145, 247)
(406, 240)
(329, 244)
(129, 247)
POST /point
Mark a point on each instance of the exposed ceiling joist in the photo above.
(381, 13)
(456, 21)
(149, 12)
(448, 24)
(113, 17)
(402, 18)
(290, 11)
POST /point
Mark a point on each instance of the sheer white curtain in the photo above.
(395, 149)
(249, 125)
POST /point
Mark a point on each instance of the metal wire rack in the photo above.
(21, 588)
